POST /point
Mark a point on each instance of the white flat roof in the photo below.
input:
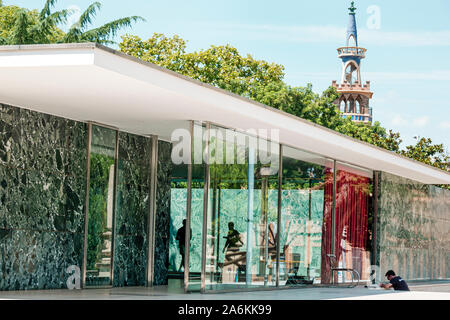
(90, 82)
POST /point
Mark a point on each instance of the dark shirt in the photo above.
(399, 284)
(181, 235)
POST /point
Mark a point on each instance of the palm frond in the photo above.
(110, 30)
(76, 30)
(46, 11)
(87, 16)
(20, 33)
(61, 16)
(73, 35)
(47, 26)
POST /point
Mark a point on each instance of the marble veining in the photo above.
(42, 192)
(413, 228)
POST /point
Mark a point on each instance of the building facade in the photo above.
(103, 156)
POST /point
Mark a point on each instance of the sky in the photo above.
(408, 44)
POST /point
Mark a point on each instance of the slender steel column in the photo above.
(251, 189)
(152, 211)
(218, 228)
(375, 195)
(333, 218)
(113, 240)
(308, 240)
(86, 204)
(214, 244)
(187, 239)
(333, 212)
(205, 210)
(264, 213)
(280, 190)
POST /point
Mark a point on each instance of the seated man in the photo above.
(233, 239)
(396, 282)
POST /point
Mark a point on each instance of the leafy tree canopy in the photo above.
(427, 152)
(221, 66)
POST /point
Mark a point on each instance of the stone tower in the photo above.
(354, 97)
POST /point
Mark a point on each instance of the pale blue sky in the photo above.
(407, 61)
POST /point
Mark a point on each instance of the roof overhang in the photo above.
(89, 82)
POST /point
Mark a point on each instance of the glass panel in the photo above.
(132, 210)
(178, 207)
(304, 207)
(241, 246)
(197, 200)
(178, 212)
(101, 199)
(354, 217)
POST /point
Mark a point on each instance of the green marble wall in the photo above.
(42, 193)
(413, 229)
(132, 210)
(162, 223)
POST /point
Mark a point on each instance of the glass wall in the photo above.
(354, 216)
(318, 214)
(242, 211)
(101, 206)
(303, 209)
(197, 203)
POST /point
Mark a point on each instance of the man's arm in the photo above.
(386, 286)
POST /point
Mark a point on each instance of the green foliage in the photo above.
(79, 31)
(98, 195)
(220, 66)
(22, 26)
(371, 133)
(427, 152)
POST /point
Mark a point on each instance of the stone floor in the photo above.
(419, 291)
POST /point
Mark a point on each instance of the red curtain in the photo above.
(352, 210)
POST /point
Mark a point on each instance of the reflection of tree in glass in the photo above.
(98, 195)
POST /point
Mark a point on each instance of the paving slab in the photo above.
(423, 291)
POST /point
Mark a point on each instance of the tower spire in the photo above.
(352, 9)
(354, 95)
(352, 32)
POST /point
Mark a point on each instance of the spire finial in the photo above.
(352, 8)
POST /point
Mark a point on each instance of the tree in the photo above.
(427, 152)
(372, 133)
(220, 66)
(166, 52)
(79, 31)
(21, 26)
